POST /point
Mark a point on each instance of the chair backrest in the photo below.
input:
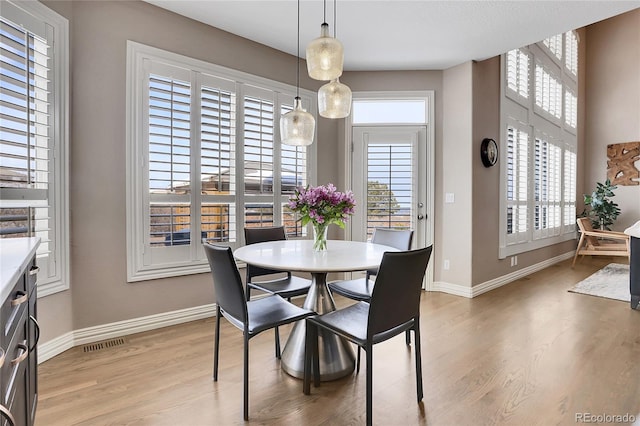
(227, 282)
(584, 223)
(396, 295)
(396, 238)
(261, 235)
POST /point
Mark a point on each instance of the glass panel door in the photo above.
(389, 180)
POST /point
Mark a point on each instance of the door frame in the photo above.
(429, 151)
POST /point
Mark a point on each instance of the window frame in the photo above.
(193, 260)
(525, 114)
(34, 16)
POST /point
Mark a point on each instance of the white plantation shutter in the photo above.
(517, 74)
(203, 160)
(554, 45)
(390, 178)
(258, 145)
(169, 135)
(571, 53)
(517, 167)
(548, 92)
(570, 109)
(538, 208)
(28, 179)
(169, 158)
(218, 159)
(548, 189)
(569, 190)
(259, 152)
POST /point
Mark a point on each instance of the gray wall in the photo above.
(613, 103)
(456, 160)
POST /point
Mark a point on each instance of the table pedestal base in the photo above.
(336, 356)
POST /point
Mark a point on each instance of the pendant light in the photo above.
(298, 126)
(334, 98)
(325, 54)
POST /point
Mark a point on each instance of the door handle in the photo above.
(420, 217)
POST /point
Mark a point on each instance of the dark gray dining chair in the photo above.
(360, 289)
(394, 308)
(252, 317)
(287, 287)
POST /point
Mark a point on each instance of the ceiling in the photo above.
(401, 35)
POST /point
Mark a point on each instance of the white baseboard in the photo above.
(471, 292)
(55, 346)
(48, 350)
(450, 288)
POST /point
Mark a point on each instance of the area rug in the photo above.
(611, 282)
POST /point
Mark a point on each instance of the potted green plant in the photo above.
(603, 211)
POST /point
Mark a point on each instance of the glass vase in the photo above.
(320, 236)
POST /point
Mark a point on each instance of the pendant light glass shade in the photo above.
(334, 100)
(325, 56)
(298, 126)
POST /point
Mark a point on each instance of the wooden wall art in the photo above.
(621, 169)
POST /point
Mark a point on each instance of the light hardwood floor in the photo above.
(528, 353)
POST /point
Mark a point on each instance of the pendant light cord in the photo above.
(324, 6)
(298, 56)
(334, 17)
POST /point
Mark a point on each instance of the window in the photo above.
(569, 194)
(571, 53)
(391, 111)
(517, 187)
(548, 92)
(539, 139)
(33, 135)
(554, 45)
(570, 109)
(208, 140)
(547, 188)
(518, 74)
(390, 186)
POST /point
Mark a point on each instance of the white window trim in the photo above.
(565, 136)
(59, 190)
(135, 198)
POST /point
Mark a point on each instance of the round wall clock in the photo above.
(489, 152)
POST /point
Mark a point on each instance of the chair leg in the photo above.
(635, 302)
(369, 351)
(358, 361)
(216, 345)
(248, 293)
(416, 333)
(577, 250)
(308, 354)
(407, 337)
(316, 355)
(277, 342)
(246, 376)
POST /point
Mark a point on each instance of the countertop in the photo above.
(15, 254)
(633, 230)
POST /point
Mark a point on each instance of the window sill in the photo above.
(514, 249)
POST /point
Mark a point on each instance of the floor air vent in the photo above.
(103, 345)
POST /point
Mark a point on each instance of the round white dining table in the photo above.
(336, 355)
